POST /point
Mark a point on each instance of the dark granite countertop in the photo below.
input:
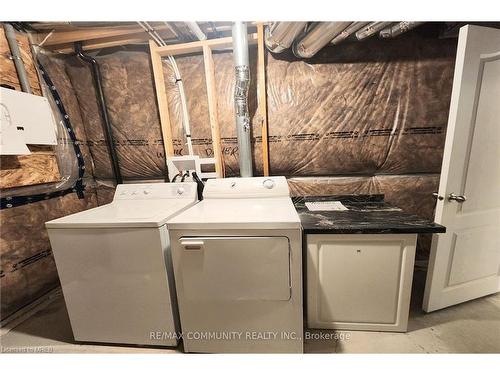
(365, 214)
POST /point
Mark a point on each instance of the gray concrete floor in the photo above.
(471, 327)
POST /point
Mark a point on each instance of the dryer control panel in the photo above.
(186, 190)
(246, 187)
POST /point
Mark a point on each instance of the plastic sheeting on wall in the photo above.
(376, 107)
(131, 102)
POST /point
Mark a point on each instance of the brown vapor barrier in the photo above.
(364, 117)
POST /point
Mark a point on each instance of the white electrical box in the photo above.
(189, 163)
(25, 119)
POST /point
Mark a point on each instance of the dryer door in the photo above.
(235, 268)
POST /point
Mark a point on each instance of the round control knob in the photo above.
(180, 190)
(146, 192)
(268, 184)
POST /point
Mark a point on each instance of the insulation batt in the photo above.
(130, 98)
(56, 68)
(378, 109)
(382, 108)
(26, 260)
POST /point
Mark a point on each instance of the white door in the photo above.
(465, 261)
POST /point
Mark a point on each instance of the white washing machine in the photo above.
(238, 268)
(114, 264)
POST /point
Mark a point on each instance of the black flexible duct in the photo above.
(108, 131)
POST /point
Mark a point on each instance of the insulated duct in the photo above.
(351, 29)
(242, 116)
(319, 36)
(280, 35)
(370, 29)
(10, 34)
(398, 29)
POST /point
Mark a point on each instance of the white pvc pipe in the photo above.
(10, 35)
(178, 80)
(195, 29)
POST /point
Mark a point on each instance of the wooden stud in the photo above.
(82, 34)
(212, 108)
(205, 46)
(193, 47)
(262, 97)
(115, 41)
(161, 96)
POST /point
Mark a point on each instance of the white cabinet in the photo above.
(359, 281)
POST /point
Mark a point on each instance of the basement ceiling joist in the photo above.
(61, 37)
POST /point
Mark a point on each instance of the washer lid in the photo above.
(243, 213)
(124, 213)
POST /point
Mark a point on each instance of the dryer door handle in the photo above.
(192, 244)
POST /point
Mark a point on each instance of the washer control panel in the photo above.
(246, 187)
(156, 191)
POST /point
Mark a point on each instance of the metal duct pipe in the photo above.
(351, 29)
(195, 29)
(108, 131)
(10, 34)
(242, 72)
(398, 29)
(370, 29)
(280, 35)
(317, 38)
